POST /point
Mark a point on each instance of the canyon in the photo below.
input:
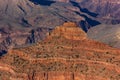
(23, 22)
(59, 40)
(65, 54)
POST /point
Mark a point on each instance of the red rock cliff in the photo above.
(66, 54)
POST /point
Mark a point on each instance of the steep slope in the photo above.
(30, 13)
(21, 17)
(18, 18)
(108, 10)
(13, 38)
(66, 54)
(109, 34)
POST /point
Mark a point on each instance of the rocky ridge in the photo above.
(24, 22)
(28, 21)
(108, 10)
(66, 54)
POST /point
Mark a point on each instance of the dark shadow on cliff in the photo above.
(84, 10)
(3, 52)
(84, 25)
(42, 2)
(90, 22)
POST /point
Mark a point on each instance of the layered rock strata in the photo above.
(66, 54)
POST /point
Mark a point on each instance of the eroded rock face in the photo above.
(22, 37)
(25, 21)
(108, 10)
(69, 31)
(109, 34)
(61, 57)
(20, 17)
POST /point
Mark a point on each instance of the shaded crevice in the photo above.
(84, 25)
(25, 22)
(89, 20)
(31, 39)
(2, 52)
(46, 76)
(22, 9)
(31, 76)
(73, 76)
(84, 10)
(6, 9)
(42, 2)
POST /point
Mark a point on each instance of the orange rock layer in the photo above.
(66, 54)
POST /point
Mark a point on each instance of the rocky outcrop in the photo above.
(16, 38)
(30, 13)
(109, 34)
(37, 35)
(26, 21)
(108, 10)
(69, 31)
(21, 19)
(63, 55)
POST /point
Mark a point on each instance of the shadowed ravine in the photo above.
(42, 2)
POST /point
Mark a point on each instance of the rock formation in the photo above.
(13, 38)
(25, 22)
(108, 10)
(20, 17)
(66, 54)
(109, 34)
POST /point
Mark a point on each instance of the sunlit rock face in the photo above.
(27, 21)
(109, 34)
(62, 56)
(69, 31)
(24, 22)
